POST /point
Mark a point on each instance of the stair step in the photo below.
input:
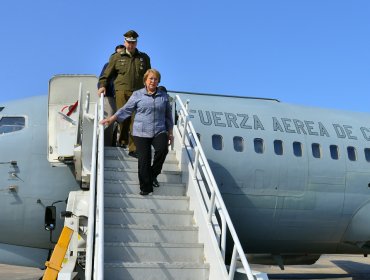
(156, 271)
(148, 237)
(132, 187)
(132, 175)
(148, 216)
(153, 252)
(123, 153)
(170, 158)
(146, 202)
(150, 233)
(123, 163)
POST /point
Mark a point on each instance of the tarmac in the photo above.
(338, 267)
(12, 272)
(343, 267)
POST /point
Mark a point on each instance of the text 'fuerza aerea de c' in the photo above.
(280, 124)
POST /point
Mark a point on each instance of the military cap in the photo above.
(131, 36)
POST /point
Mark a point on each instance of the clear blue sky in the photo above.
(313, 52)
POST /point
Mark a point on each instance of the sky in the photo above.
(308, 52)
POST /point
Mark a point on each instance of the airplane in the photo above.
(34, 179)
(295, 179)
(29, 183)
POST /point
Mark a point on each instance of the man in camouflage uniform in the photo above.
(129, 66)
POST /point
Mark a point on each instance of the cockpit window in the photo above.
(11, 124)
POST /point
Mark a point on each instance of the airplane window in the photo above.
(278, 147)
(238, 143)
(334, 153)
(297, 149)
(352, 156)
(367, 154)
(217, 142)
(258, 145)
(11, 124)
(316, 153)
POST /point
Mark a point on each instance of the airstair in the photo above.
(179, 232)
(149, 235)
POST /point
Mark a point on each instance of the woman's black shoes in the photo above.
(133, 154)
(155, 183)
(146, 193)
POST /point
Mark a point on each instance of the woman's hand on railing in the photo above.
(170, 139)
(108, 121)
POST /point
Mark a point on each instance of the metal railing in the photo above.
(92, 197)
(211, 195)
(99, 252)
(95, 238)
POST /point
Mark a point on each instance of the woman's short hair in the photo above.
(154, 72)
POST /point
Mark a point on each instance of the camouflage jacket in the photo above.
(129, 71)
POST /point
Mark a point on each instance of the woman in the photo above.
(153, 126)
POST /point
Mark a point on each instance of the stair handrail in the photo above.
(99, 243)
(201, 161)
(92, 197)
(94, 268)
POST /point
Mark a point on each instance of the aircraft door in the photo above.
(72, 100)
(326, 166)
(312, 192)
(314, 213)
(69, 96)
(291, 167)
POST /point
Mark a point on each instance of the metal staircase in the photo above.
(149, 237)
(177, 233)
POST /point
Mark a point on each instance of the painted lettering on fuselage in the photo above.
(280, 124)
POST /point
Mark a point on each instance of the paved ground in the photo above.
(10, 272)
(341, 267)
(344, 267)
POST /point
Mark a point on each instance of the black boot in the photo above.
(155, 183)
